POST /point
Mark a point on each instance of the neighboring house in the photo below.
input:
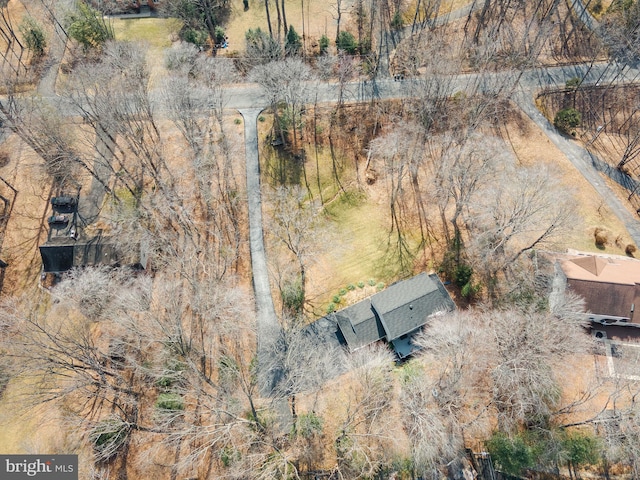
(610, 287)
(393, 315)
(67, 247)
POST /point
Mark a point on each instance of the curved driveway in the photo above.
(249, 100)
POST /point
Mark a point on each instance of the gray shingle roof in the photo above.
(400, 309)
(405, 306)
(364, 325)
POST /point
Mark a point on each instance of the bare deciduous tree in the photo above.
(363, 442)
(511, 358)
(527, 210)
(296, 223)
(112, 338)
(288, 82)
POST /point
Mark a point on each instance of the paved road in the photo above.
(268, 325)
(585, 17)
(249, 100)
(246, 96)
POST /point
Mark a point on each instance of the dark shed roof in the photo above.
(56, 258)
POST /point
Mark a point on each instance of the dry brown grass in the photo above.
(532, 147)
(360, 229)
(319, 19)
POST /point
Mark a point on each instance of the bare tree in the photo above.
(261, 48)
(266, 9)
(401, 152)
(296, 225)
(508, 32)
(112, 98)
(434, 436)
(190, 99)
(115, 339)
(620, 31)
(204, 15)
(363, 442)
(302, 363)
(12, 56)
(45, 130)
(460, 169)
(512, 359)
(287, 81)
(527, 210)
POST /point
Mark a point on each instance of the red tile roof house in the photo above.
(610, 286)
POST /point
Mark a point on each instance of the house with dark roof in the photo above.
(610, 287)
(393, 315)
(68, 247)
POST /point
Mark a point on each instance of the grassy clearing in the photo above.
(158, 32)
(356, 251)
(356, 223)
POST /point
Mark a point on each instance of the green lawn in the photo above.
(158, 32)
(354, 245)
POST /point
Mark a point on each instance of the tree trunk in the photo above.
(338, 18)
(279, 20)
(284, 19)
(266, 9)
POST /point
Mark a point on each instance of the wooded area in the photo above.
(410, 159)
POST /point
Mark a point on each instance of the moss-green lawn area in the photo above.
(353, 246)
(158, 32)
